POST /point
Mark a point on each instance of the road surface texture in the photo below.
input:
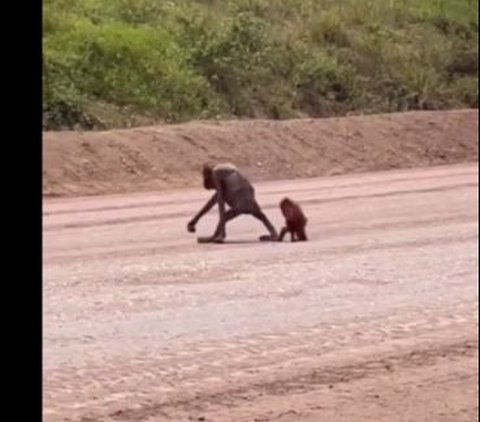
(373, 319)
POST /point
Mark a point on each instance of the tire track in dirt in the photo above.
(276, 364)
(318, 189)
(186, 214)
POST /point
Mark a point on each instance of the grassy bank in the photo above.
(118, 63)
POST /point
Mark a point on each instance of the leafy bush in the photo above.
(113, 62)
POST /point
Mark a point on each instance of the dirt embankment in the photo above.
(160, 157)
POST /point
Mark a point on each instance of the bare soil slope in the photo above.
(159, 157)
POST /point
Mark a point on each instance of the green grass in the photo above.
(117, 63)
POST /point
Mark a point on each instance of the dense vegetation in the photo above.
(111, 63)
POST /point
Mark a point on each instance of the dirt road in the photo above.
(374, 319)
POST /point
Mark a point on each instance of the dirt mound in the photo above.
(160, 157)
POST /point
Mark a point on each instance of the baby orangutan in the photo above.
(295, 221)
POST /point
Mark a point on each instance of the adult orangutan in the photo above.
(232, 189)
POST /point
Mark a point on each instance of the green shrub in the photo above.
(114, 62)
